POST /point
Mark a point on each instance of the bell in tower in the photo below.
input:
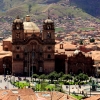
(48, 30)
(17, 30)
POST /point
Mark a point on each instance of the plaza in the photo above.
(68, 89)
(41, 95)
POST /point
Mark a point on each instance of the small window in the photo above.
(49, 56)
(61, 46)
(48, 35)
(17, 47)
(49, 48)
(48, 27)
(25, 53)
(17, 35)
(6, 49)
(40, 54)
(17, 56)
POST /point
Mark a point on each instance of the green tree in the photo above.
(66, 77)
(60, 74)
(43, 76)
(52, 76)
(92, 40)
(81, 42)
(82, 77)
(86, 77)
(35, 76)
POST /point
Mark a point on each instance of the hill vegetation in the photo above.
(67, 14)
(58, 7)
(90, 6)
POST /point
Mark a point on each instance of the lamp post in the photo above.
(90, 89)
(51, 94)
(4, 66)
(69, 89)
(8, 82)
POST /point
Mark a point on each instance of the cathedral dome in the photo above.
(17, 20)
(30, 26)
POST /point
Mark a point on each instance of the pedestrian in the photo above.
(5, 87)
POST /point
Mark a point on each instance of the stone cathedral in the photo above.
(32, 50)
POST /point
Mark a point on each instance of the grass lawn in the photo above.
(60, 29)
(21, 84)
(50, 87)
(78, 97)
(44, 86)
(87, 29)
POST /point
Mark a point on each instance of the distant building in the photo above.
(79, 63)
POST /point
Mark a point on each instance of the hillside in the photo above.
(66, 14)
(89, 6)
(28, 6)
(39, 8)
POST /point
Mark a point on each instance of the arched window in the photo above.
(49, 47)
(6, 48)
(17, 56)
(49, 56)
(48, 35)
(17, 47)
(48, 27)
(61, 46)
(17, 35)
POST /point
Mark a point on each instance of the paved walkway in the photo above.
(75, 89)
(6, 83)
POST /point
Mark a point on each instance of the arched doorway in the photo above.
(7, 61)
(7, 71)
(32, 70)
(79, 71)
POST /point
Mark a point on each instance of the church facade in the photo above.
(32, 50)
(79, 63)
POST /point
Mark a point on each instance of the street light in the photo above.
(90, 89)
(69, 89)
(4, 66)
(51, 94)
(8, 82)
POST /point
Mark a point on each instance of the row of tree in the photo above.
(54, 76)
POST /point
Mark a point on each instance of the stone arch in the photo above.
(8, 63)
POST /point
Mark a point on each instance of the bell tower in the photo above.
(17, 46)
(17, 30)
(48, 31)
(48, 37)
